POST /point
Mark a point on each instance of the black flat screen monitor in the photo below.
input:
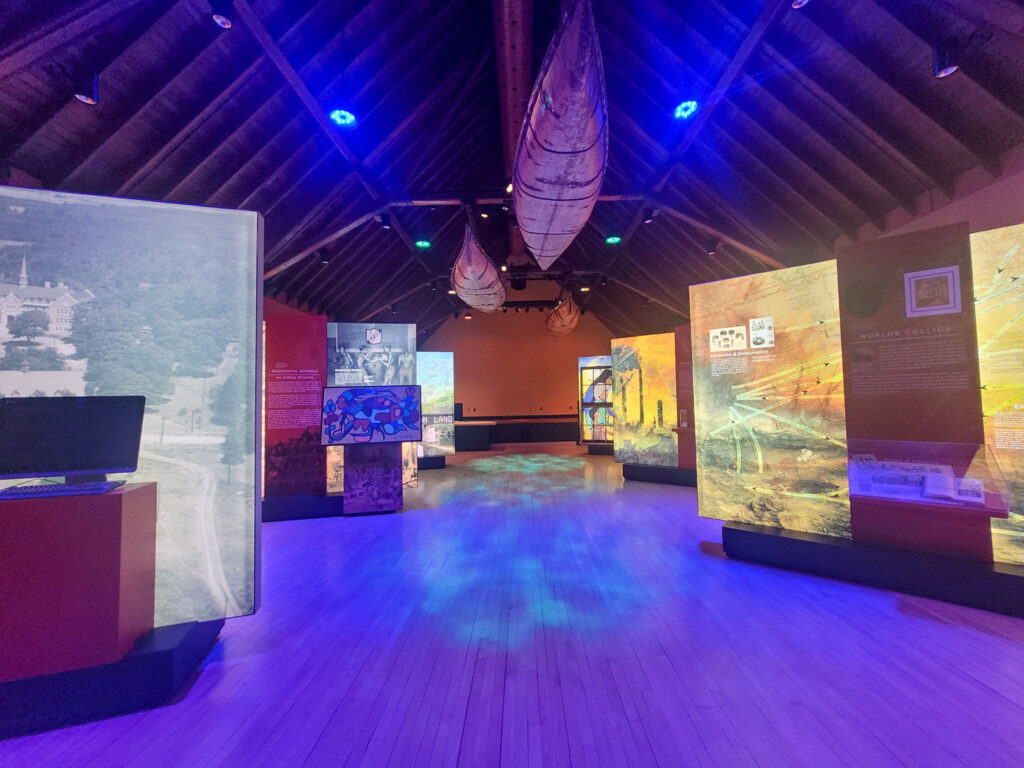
(70, 436)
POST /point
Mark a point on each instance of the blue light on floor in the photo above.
(686, 110)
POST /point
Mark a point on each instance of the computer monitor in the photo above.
(78, 437)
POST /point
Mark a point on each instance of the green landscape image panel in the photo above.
(435, 373)
(103, 296)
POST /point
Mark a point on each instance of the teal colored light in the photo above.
(613, 239)
(343, 118)
(422, 243)
(686, 110)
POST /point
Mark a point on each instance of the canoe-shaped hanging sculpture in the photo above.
(564, 317)
(475, 278)
(563, 146)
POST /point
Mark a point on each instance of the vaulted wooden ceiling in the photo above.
(816, 123)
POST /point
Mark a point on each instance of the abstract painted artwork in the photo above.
(644, 393)
(361, 415)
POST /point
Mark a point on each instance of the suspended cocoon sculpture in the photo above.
(563, 147)
(475, 278)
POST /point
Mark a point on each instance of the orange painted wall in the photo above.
(510, 364)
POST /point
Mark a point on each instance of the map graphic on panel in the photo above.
(379, 354)
(435, 373)
(597, 414)
(104, 296)
(768, 400)
(998, 260)
(644, 395)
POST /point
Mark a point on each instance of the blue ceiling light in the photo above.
(343, 118)
(686, 110)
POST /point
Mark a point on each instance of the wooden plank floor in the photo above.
(531, 609)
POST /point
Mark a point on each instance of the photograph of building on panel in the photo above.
(770, 420)
(644, 396)
(435, 373)
(378, 354)
(597, 415)
(997, 257)
(103, 296)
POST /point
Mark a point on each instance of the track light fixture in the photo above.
(87, 88)
(604, 280)
(798, 4)
(504, 266)
(394, 309)
(325, 258)
(468, 315)
(945, 58)
(451, 291)
(222, 11)
(713, 246)
(385, 221)
(648, 215)
(506, 205)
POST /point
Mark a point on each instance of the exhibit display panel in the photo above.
(644, 395)
(997, 257)
(378, 354)
(435, 373)
(361, 415)
(768, 400)
(103, 296)
(597, 413)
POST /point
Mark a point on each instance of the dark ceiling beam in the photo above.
(322, 242)
(898, 151)
(628, 323)
(392, 302)
(323, 203)
(751, 39)
(1001, 15)
(904, 88)
(275, 173)
(63, 30)
(513, 36)
(309, 168)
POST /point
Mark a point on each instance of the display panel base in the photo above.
(667, 475)
(431, 462)
(995, 587)
(150, 676)
(304, 507)
(601, 449)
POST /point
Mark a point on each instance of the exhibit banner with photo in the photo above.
(294, 379)
(105, 296)
(376, 354)
(597, 413)
(997, 257)
(644, 395)
(768, 400)
(684, 398)
(435, 373)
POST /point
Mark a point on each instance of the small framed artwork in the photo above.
(932, 291)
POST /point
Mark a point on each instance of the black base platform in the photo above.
(601, 449)
(430, 462)
(668, 475)
(993, 587)
(279, 508)
(148, 677)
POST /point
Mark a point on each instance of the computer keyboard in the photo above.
(58, 489)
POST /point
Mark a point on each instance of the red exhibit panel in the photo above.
(77, 575)
(295, 377)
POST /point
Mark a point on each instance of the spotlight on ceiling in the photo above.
(325, 258)
(648, 215)
(484, 214)
(713, 246)
(514, 222)
(604, 280)
(506, 205)
(613, 239)
(343, 118)
(221, 12)
(517, 310)
(798, 4)
(686, 110)
(451, 291)
(424, 244)
(504, 266)
(385, 221)
(394, 309)
(467, 315)
(87, 88)
(945, 58)
(508, 188)
(433, 287)
(584, 289)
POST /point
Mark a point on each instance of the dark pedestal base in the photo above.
(601, 449)
(991, 587)
(430, 462)
(279, 508)
(472, 437)
(667, 475)
(148, 677)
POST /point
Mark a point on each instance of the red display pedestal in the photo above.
(77, 575)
